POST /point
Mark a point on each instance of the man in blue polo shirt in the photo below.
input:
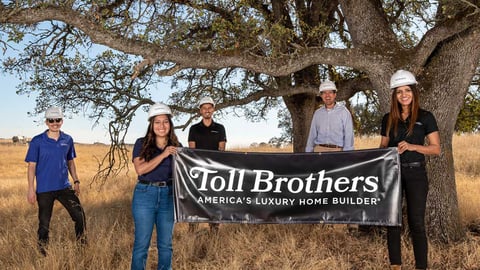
(207, 134)
(50, 158)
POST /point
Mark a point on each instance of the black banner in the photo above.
(351, 187)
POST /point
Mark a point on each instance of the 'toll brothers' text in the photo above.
(265, 181)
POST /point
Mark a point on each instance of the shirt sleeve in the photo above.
(32, 152)
(431, 123)
(190, 134)
(348, 137)
(137, 147)
(383, 131)
(71, 152)
(224, 134)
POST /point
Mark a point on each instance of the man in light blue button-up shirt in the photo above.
(332, 126)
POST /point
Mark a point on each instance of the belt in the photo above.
(157, 184)
(329, 145)
(413, 164)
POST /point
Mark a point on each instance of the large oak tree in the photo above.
(251, 54)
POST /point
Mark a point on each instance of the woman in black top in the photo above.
(405, 127)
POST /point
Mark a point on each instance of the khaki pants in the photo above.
(319, 148)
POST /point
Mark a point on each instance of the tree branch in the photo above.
(438, 34)
(368, 26)
(278, 66)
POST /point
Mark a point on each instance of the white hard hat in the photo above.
(206, 100)
(327, 85)
(401, 78)
(158, 109)
(53, 112)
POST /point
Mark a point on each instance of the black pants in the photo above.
(415, 187)
(70, 201)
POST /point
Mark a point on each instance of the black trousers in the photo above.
(415, 188)
(70, 201)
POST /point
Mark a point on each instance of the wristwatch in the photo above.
(76, 182)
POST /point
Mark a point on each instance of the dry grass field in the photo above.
(235, 246)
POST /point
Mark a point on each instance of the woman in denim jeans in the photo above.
(153, 196)
(406, 127)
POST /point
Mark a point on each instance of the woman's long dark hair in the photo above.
(149, 144)
(395, 115)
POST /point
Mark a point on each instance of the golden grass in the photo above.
(235, 246)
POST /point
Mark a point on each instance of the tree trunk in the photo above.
(446, 80)
(443, 215)
(301, 108)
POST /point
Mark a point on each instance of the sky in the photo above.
(16, 122)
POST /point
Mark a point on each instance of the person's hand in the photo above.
(170, 150)
(31, 196)
(404, 146)
(76, 188)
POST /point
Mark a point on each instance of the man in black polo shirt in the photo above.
(207, 134)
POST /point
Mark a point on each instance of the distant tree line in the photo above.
(20, 140)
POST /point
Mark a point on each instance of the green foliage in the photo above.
(285, 124)
(469, 117)
(367, 120)
(101, 86)
(224, 27)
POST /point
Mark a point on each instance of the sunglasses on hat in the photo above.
(52, 120)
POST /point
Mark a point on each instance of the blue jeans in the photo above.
(70, 201)
(152, 205)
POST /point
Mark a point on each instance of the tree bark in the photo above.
(446, 80)
(301, 108)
